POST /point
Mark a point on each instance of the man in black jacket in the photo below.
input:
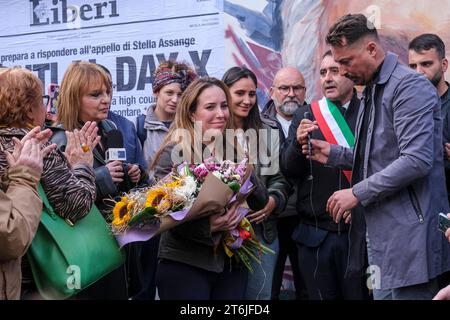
(287, 95)
(323, 244)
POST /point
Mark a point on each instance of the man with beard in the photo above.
(397, 184)
(323, 243)
(287, 96)
(426, 55)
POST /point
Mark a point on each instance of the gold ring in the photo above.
(85, 147)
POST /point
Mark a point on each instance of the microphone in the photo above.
(114, 145)
(116, 151)
(307, 115)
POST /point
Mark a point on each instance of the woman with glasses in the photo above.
(242, 84)
(85, 96)
(67, 178)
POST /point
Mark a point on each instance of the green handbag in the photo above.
(66, 258)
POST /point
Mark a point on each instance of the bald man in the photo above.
(287, 96)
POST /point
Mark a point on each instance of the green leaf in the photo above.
(245, 260)
(234, 185)
(146, 216)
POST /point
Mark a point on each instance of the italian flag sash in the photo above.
(333, 126)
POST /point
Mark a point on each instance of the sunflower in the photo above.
(154, 197)
(121, 214)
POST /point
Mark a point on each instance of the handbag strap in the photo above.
(47, 206)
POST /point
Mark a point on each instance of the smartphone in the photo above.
(444, 222)
(53, 92)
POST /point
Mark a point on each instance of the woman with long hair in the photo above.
(191, 265)
(242, 84)
(170, 79)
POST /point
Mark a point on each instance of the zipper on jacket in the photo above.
(415, 203)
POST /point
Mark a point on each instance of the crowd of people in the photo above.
(352, 193)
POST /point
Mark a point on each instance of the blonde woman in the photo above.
(84, 97)
(190, 267)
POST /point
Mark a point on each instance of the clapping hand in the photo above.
(28, 152)
(80, 144)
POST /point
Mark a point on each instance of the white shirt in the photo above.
(345, 106)
(284, 124)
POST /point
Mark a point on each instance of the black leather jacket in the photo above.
(106, 188)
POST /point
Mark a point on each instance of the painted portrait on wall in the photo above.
(267, 34)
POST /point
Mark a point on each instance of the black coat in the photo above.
(106, 188)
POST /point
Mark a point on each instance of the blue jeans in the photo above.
(259, 286)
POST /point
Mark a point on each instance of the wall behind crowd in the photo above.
(266, 35)
(131, 37)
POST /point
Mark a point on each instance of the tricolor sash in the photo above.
(333, 126)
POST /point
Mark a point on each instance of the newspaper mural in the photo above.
(130, 38)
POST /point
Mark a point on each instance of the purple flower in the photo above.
(200, 171)
(211, 165)
(240, 169)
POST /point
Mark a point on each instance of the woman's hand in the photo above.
(80, 144)
(261, 215)
(134, 172)
(89, 134)
(225, 221)
(30, 155)
(115, 170)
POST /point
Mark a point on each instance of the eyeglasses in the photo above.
(45, 100)
(286, 89)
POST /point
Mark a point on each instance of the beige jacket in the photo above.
(20, 212)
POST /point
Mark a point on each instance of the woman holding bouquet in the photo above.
(171, 78)
(192, 264)
(242, 84)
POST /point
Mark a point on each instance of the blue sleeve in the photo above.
(412, 109)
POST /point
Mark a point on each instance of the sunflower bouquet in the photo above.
(242, 243)
(188, 192)
(145, 206)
